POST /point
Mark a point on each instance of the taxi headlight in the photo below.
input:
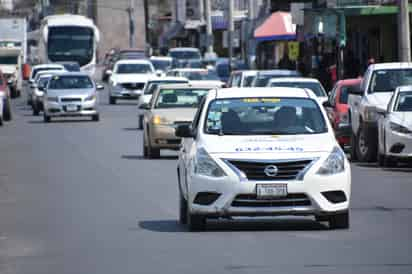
(335, 163)
(52, 99)
(161, 121)
(91, 97)
(206, 166)
(400, 129)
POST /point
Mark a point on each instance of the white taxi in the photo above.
(262, 152)
(395, 128)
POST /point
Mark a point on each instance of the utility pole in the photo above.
(404, 32)
(209, 31)
(147, 29)
(231, 29)
(130, 10)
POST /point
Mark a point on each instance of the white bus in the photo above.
(71, 38)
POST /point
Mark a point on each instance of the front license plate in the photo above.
(268, 191)
(71, 108)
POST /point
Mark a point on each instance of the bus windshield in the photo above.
(71, 44)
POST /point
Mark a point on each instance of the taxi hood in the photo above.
(253, 144)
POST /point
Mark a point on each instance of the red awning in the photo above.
(277, 27)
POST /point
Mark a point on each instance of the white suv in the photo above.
(262, 152)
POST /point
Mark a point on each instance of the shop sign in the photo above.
(293, 50)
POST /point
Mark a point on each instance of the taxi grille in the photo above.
(286, 170)
(133, 86)
(251, 200)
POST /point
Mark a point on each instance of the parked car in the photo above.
(39, 68)
(128, 79)
(338, 109)
(262, 77)
(170, 106)
(242, 78)
(5, 97)
(375, 92)
(39, 89)
(197, 76)
(70, 94)
(301, 82)
(161, 63)
(395, 128)
(182, 56)
(150, 87)
(262, 152)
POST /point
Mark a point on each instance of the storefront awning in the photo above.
(277, 27)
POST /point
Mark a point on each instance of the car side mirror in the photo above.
(99, 87)
(184, 131)
(144, 106)
(41, 88)
(327, 104)
(355, 90)
(381, 112)
(159, 73)
(109, 72)
(33, 85)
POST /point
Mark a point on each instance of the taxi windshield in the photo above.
(180, 98)
(264, 116)
(404, 102)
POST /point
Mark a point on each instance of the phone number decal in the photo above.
(269, 149)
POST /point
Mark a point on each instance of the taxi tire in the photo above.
(339, 221)
(153, 153)
(195, 222)
(112, 100)
(140, 122)
(1, 121)
(36, 109)
(46, 118)
(182, 209)
(96, 118)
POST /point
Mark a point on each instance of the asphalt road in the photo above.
(77, 197)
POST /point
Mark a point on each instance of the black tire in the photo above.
(1, 121)
(321, 218)
(153, 153)
(381, 160)
(195, 222)
(366, 148)
(339, 221)
(7, 116)
(353, 152)
(140, 122)
(112, 100)
(182, 209)
(47, 119)
(36, 109)
(96, 118)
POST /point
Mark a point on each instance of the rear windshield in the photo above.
(388, 80)
(200, 75)
(404, 102)
(180, 98)
(315, 87)
(70, 82)
(151, 87)
(35, 71)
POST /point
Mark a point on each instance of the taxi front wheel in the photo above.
(339, 221)
(196, 222)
